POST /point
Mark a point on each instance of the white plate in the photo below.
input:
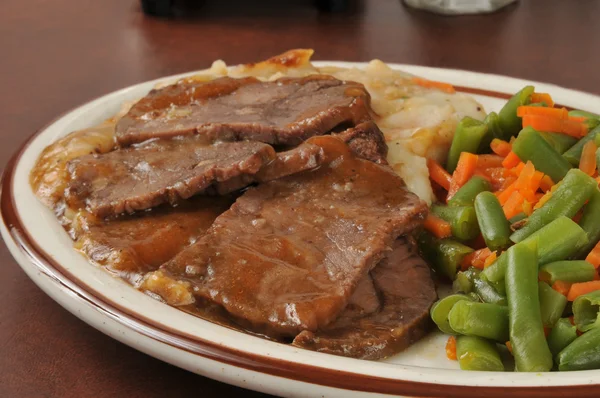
(44, 251)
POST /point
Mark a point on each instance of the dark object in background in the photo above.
(164, 8)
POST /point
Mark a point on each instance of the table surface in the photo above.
(55, 55)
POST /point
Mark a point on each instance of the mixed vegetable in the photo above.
(517, 230)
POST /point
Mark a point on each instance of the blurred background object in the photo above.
(459, 7)
(166, 8)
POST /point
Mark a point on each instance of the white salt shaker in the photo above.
(458, 7)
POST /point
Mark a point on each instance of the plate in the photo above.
(44, 251)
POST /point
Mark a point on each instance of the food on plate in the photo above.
(516, 227)
(306, 245)
(291, 202)
(266, 198)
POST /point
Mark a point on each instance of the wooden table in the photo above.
(57, 54)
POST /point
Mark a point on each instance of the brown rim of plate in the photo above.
(254, 362)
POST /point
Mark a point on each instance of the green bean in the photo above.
(592, 124)
(559, 141)
(562, 334)
(509, 122)
(530, 145)
(574, 153)
(464, 280)
(552, 304)
(444, 255)
(487, 293)
(567, 271)
(465, 196)
(467, 138)
(558, 240)
(580, 113)
(474, 297)
(590, 222)
(585, 311)
(517, 218)
(476, 353)
(440, 310)
(500, 287)
(582, 354)
(480, 319)
(527, 338)
(493, 131)
(492, 222)
(462, 219)
(570, 196)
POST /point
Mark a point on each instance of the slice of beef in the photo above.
(286, 111)
(145, 176)
(131, 246)
(366, 141)
(287, 255)
(160, 171)
(405, 292)
(304, 157)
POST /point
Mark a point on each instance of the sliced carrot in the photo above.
(511, 160)
(467, 164)
(558, 113)
(497, 176)
(451, 348)
(445, 87)
(546, 183)
(490, 260)
(578, 119)
(500, 147)
(514, 205)
(489, 161)
(509, 346)
(467, 261)
(438, 174)
(536, 181)
(579, 289)
(555, 125)
(527, 207)
(438, 227)
(542, 201)
(525, 182)
(507, 192)
(594, 256)
(516, 171)
(562, 287)
(587, 162)
(480, 256)
(598, 180)
(508, 180)
(538, 98)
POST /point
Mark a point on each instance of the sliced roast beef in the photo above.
(286, 111)
(304, 157)
(288, 254)
(156, 172)
(134, 245)
(366, 141)
(401, 286)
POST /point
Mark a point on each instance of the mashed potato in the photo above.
(418, 122)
